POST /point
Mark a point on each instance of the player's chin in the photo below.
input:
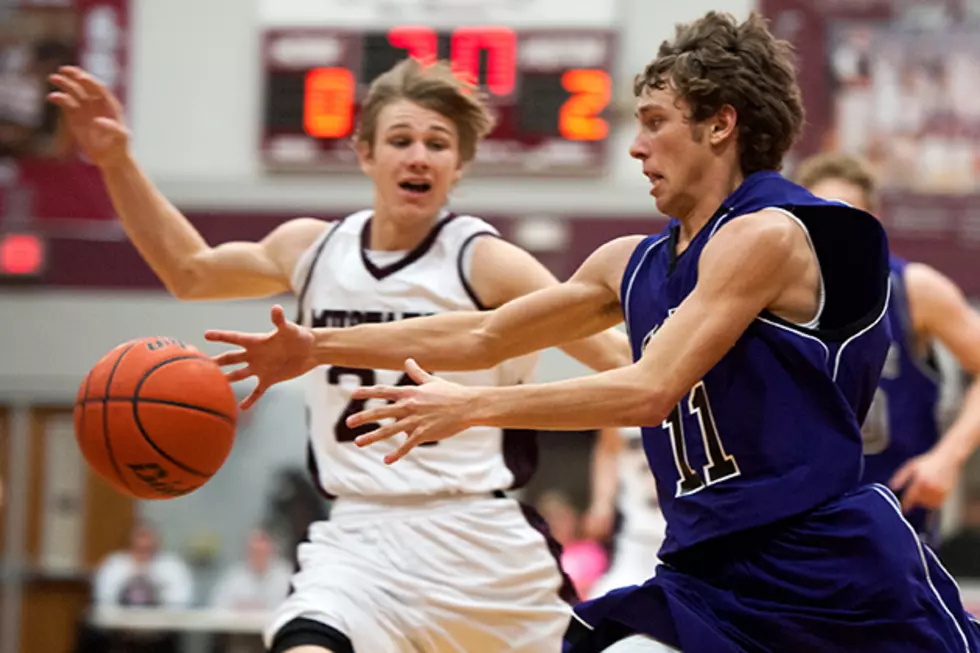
(422, 207)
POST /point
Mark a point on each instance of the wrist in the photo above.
(481, 407)
(953, 451)
(116, 163)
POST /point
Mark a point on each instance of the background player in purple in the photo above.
(903, 444)
(757, 325)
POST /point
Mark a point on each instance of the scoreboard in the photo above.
(547, 80)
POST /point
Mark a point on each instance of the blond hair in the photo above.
(435, 87)
(837, 165)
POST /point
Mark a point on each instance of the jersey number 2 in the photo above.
(343, 432)
(721, 465)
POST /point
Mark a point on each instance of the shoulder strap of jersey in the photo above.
(466, 229)
(306, 266)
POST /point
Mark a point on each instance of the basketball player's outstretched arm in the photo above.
(177, 253)
(575, 315)
(939, 310)
(753, 263)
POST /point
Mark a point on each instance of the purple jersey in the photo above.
(773, 428)
(903, 421)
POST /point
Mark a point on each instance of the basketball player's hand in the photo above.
(433, 410)
(282, 354)
(927, 479)
(93, 115)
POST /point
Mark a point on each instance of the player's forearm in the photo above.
(605, 476)
(963, 436)
(621, 397)
(441, 343)
(604, 351)
(165, 239)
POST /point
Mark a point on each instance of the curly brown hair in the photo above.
(717, 61)
(435, 87)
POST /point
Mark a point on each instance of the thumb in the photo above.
(416, 373)
(902, 477)
(110, 124)
(278, 316)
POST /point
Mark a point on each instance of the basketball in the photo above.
(155, 418)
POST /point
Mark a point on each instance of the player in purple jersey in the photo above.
(903, 445)
(757, 325)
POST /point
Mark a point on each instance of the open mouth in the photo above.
(416, 188)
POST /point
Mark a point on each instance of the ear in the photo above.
(722, 125)
(365, 157)
(458, 172)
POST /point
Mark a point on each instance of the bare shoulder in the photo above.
(501, 271)
(607, 264)
(922, 279)
(931, 295)
(772, 235)
(286, 243)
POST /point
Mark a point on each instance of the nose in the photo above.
(418, 155)
(639, 148)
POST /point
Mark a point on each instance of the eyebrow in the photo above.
(405, 125)
(645, 110)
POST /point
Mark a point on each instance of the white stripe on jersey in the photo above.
(346, 287)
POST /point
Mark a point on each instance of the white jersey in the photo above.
(638, 500)
(341, 283)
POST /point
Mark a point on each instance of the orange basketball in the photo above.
(155, 418)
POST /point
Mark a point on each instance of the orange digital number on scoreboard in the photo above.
(328, 103)
(579, 119)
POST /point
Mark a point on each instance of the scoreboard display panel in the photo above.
(549, 87)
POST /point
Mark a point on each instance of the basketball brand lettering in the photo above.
(337, 319)
(160, 343)
(154, 476)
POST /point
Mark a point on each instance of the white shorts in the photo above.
(467, 574)
(634, 561)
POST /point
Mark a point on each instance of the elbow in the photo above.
(486, 349)
(649, 406)
(186, 281)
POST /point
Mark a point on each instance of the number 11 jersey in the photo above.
(341, 283)
(772, 430)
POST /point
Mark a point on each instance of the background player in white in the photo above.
(428, 556)
(621, 481)
(937, 311)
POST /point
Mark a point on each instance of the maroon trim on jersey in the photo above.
(462, 273)
(567, 591)
(520, 449)
(420, 250)
(301, 297)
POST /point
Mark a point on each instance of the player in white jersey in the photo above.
(621, 480)
(427, 556)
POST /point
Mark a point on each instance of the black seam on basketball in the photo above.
(105, 421)
(139, 423)
(165, 402)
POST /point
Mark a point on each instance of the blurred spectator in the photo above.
(143, 576)
(260, 582)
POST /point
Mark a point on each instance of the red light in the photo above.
(328, 106)
(21, 254)
(578, 119)
(420, 41)
(501, 46)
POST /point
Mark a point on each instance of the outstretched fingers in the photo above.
(237, 338)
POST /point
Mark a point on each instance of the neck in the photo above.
(387, 235)
(706, 205)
